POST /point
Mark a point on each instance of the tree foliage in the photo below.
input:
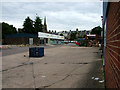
(33, 27)
(73, 36)
(28, 26)
(97, 30)
(38, 27)
(7, 29)
(61, 34)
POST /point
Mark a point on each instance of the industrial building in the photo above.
(111, 35)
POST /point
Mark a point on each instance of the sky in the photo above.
(60, 15)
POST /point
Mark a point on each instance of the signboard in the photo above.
(91, 35)
(31, 41)
(51, 36)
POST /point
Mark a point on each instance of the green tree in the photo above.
(96, 30)
(61, 34)
(38, 27)
(7, 29)
(28, 26)
(73, 36)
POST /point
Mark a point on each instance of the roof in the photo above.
(21, 35)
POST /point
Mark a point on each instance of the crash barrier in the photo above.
(36, 51)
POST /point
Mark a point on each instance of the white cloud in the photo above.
(60, 16)
(55, 0)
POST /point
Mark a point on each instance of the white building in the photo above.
(50, 38)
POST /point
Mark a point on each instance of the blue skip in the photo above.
(36, 52)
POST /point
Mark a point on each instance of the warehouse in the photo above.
(111, 35)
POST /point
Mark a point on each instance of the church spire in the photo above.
(45, 25)
(45, 20)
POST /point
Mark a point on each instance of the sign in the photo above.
(91, 35)
(31, 41)
(51, 36)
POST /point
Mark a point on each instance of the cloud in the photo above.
(60, 15)
(55, 0)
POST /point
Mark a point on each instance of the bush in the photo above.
(101, 48)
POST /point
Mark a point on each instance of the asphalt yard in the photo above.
(66, 66)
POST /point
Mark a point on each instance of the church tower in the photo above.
(45, 25)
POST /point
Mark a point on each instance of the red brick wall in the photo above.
(112, 49)
(25, 40)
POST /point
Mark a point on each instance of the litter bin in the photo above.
(36, 52)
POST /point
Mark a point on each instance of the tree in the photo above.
(7, 29)
(38, 27)
(28, 26)
(73, 36)
(97, 30)
(61, 34)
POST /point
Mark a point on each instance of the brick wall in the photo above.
(112, 49)
(22, 40)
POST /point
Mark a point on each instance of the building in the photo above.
(77, 34)
(21, 38)
(51, 38)
(64, 33)
(111, 35)
(45, 26)
(93, 39)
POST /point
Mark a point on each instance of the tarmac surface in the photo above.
(13, 49)
(66, 66)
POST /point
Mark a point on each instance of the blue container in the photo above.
(36, 52)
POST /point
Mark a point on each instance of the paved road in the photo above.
(14, 49)
(61, 67)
